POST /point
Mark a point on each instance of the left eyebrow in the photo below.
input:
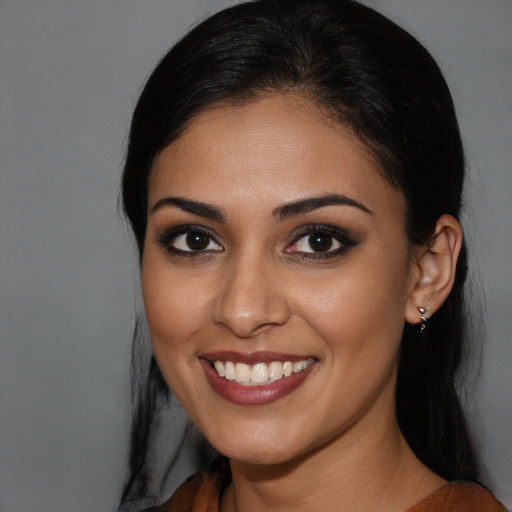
(309, 204)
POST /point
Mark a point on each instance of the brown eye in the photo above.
(316, 242)
(320, 242)
(188, 240)
(197, 241)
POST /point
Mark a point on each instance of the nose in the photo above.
(251, 298)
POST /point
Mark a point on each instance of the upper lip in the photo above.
(251, 358)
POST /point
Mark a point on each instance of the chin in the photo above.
(258, 449)
(259, 458)
(266, 447)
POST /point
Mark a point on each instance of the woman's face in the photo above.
(275, 277)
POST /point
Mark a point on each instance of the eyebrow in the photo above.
(195, 207)
(282, 212)
(309, 204)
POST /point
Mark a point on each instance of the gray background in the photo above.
(70, 74)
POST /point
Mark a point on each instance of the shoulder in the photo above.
(458, 496)
(198, 494)
(201, 492)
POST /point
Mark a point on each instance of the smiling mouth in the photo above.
(259, 374)
(256, 378)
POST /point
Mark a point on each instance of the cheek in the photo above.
(358, 306)
(174, 304)
(174, 311)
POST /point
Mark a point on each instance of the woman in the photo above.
(293, 180)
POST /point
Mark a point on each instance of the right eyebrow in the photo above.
(198, 208)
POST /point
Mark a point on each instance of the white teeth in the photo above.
(298, 367)
(260, 373)
(219, 368)
(242, 372)
(275, 370)
(229, 370)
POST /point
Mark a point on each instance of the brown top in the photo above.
(201, 493)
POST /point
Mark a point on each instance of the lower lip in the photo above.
(254, 395)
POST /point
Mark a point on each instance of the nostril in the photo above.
(250, 300)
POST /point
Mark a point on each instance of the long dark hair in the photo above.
(373, 77)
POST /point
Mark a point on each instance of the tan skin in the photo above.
(259, 283)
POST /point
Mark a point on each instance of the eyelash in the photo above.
(168, 238)
(339, 235)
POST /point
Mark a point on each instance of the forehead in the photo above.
(276, 149)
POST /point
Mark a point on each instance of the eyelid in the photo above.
(182, 240)
(166, 237)
(345, 240)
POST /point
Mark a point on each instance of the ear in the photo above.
(433, 269)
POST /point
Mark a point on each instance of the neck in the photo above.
(364, 468)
